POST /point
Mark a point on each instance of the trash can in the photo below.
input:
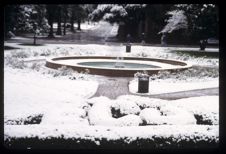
(202, 44)
(143, 84)
(128, 48)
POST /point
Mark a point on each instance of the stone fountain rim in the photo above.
(120, 72)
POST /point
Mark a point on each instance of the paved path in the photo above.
(187, 94)
(114, 87)
(99, 34)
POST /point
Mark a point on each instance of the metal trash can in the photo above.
(128, 48)
(143, 84)
(202, 44)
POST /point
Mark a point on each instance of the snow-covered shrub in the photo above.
(196, 72)
(79, 137)
(207, 119)
(32, 119)
(98, 99)
(35, 53)
(177, 116)
(81, 76)
(197, 110)
(20, 54)
(143, 102)
(126, 107)
(100, 114)
(167, 115)
(62, 71)
(151, 116)
(65, 71)
(142, 54)
(45, 52)
(128, 120)
(205, 109)
(36, 66)
(64, 52)
(14, 62)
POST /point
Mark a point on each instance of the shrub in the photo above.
(15, 63)
(20, 54)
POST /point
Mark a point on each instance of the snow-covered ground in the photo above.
(169, 86)
(84, 25)
(61, 98)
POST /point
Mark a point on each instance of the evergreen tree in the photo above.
(24, 18)
(202, 20)
(133, 19)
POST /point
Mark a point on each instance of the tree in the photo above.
(89, 8)
(72, 16)
(65, 16)
(51, 10)
(25, 18)
(10, 17)
(177, 21)
(202, 20)
(78, 13)
(59, 12)
(134, 19)
(127, 16)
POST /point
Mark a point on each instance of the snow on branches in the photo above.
(177, 21)
(114, 12)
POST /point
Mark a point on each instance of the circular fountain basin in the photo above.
(111, 66)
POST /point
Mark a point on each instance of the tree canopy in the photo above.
(193, 21)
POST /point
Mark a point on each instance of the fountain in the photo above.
(116, 66)
(119, 62)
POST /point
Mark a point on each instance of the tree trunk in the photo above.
(51, 30)
(50, 13)
(65, 7)
(34, 42)
(59, 32)
(79, 24)
(64, 25)
(72, 23)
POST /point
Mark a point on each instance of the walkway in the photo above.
(99, 34)
(112, 87)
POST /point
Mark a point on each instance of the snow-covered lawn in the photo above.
(32, 93)
(41, 102)
(169, 86)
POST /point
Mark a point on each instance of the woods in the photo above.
(186, 23)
